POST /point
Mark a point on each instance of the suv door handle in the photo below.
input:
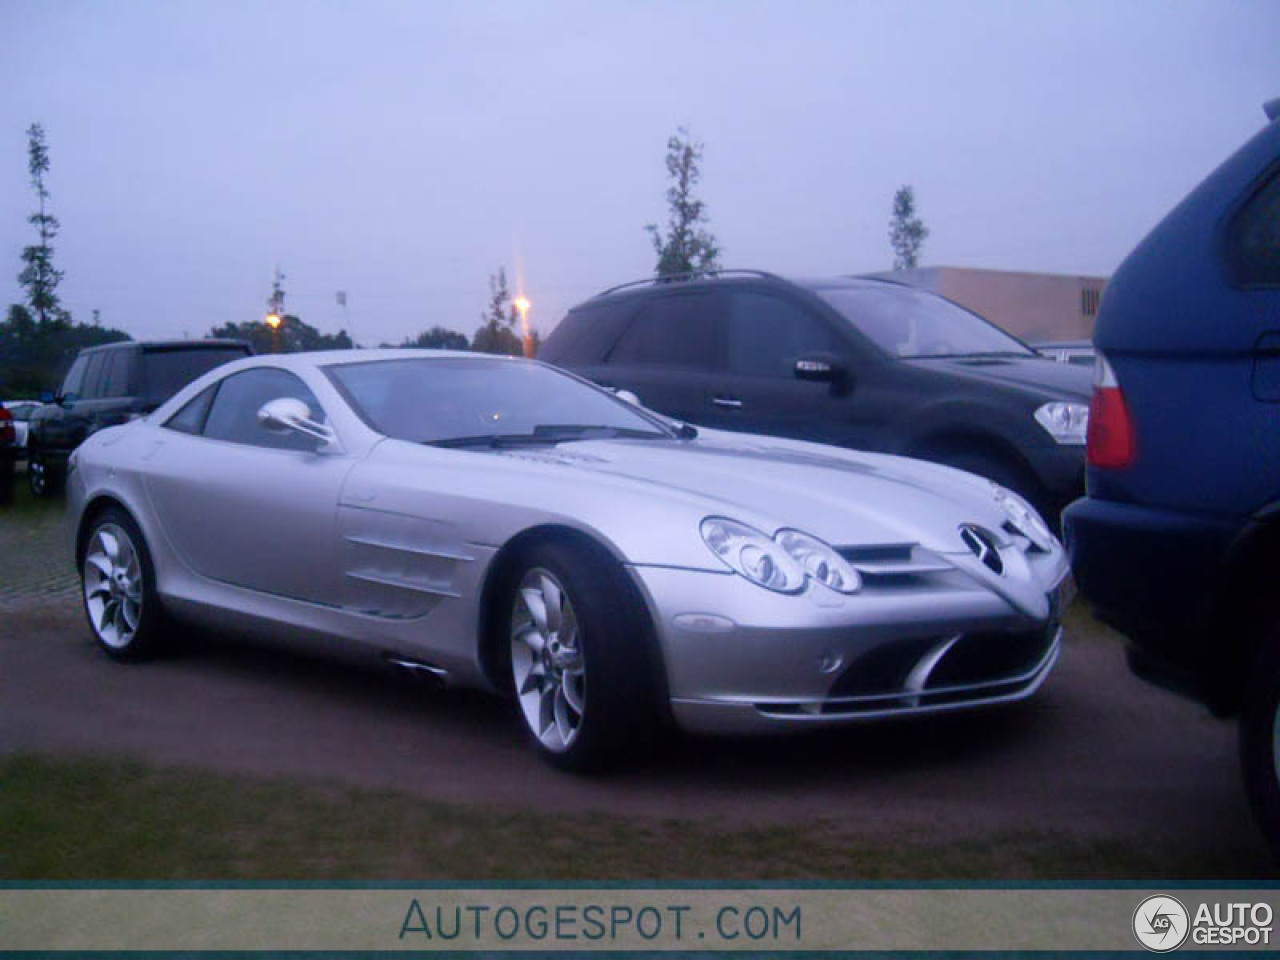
(729, 403)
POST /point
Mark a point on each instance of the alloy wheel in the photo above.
(113, 586)
(546, 659)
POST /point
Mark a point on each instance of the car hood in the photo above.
(845, 498)
(1047, 377)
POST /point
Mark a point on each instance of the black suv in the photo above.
(112, 384)
(855, 362)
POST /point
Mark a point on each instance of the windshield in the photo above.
(459, 401)
(912, 323)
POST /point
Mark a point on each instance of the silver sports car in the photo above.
(500, 523)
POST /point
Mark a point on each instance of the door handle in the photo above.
(729, 403)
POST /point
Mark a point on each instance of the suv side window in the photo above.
(91, 389)
(234, 414)
(675, 331)
(74, 380)
(767, 334)
(1254, 244)
(115, 381)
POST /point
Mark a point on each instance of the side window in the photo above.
(115, 380)
(91, 389)
(74, 380)
(1254, 243)
(767, 334)
(190, 419)
(674, 331)
(234, 413)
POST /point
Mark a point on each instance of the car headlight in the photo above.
(819, 561)
(751, 554)
(1067, 423)
(1024, 517)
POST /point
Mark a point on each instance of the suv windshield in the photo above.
(167, 370)
(912, 323)
(458, 401)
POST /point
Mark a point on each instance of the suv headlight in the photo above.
(1067, 423)
(819, 561)
(1024, 516)
(750, 553)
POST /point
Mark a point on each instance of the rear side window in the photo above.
(1254, 241)
(586, 334)
(674, 331)
(166, 371)
(767, 334)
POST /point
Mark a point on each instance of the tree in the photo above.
(497, 331)
(907, 232)
(687, 247)
(293, 335)
(438, 338)
(39, 276)
(34, 356)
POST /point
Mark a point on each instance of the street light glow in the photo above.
(522, 304)
(273, 320)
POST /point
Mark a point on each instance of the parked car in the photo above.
(21, 412)
(113, 384)
(1077, 352)
(862, 363)
(8, 454)
(499, 523)
(1178, 542)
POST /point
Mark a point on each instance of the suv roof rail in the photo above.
(692, 275)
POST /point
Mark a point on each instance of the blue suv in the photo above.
(1177, 543)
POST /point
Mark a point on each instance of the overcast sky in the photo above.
(404, 151)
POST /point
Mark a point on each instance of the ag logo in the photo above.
(1161, 923)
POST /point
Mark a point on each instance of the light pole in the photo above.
(522, 304)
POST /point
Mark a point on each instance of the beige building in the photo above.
(1032, 306)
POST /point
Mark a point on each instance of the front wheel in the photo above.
(43, 480)
(579, 658)
(1260, 739)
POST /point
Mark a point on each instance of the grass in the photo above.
(64, 819)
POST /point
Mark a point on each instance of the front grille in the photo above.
(895, 565)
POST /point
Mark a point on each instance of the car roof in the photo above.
(333, 358)
(650, 285)
(164, 344)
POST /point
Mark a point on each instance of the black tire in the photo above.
(619, 715)
(43, 480)
(147, 638)
(1260, 738)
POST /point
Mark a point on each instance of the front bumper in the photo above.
(740, 659)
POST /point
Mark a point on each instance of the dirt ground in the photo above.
(1096, 755)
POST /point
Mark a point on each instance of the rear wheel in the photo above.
(118, 585)
(1260, 738)
(579, 664)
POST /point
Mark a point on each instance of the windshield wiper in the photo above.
(495, 440)
(574, 431)
(546, 435)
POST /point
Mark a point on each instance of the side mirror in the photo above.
(821, 368)
(291, 414)
(627, 397)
